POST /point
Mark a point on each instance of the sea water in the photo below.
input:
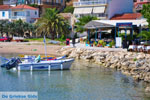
(77, 84)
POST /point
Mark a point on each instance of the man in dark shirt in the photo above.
(73, 41)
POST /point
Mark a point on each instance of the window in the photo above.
(15, 13)
(3, 14)
(28, 13)
(35, 12)
(62, 1)
(19, 14)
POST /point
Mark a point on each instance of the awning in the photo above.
(94, 25)
(85, 10)
(78, 10)
(99, 9)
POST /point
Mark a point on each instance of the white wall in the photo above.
(6, 15)
(32, 15)
(119, 7)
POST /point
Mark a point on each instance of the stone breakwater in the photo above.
(133, 64)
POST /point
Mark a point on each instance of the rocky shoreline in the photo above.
(133, 64)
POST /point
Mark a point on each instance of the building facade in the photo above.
(52, 3)
(42, 4)
(96, 8)
(104, 9)
(119, 7)
(5, 12)
(24, 12)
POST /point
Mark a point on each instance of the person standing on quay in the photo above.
(73, 41)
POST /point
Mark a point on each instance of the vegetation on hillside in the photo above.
(69, 9)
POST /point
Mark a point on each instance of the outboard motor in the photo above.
(13, 62)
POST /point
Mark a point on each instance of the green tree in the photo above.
(69, 9)
(3, 24)
(146, 13)
(145, 35)
(52, 24)
(1, 2)
(82, 21)
(11, 29)
(20, 27)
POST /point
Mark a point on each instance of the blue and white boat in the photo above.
(58, 64)
(46, 65)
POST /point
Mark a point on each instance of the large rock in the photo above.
(136, 65)
(147, 77)
(66, 51)
(147, 89)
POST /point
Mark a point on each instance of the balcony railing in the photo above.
(88, 3)
(52, 3)
(9, 2)
(18, 17)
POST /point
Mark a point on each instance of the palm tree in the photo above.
(52, 24)
(82, 21)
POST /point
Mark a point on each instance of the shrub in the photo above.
(112, 43)
(102, 43)
(69, 9)
(95, 43)
(134, 59)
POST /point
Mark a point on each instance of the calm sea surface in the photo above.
(85, 84)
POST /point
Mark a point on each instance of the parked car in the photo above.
(4, 39)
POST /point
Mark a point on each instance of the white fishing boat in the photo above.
(46, 65)
(58, 64)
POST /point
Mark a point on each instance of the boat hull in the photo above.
(47, 65)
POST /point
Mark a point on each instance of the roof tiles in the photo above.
(4, 7)
(128, 16)
(24, 7)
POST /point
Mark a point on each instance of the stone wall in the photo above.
(133, 64)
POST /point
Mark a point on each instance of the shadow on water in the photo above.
(84, 82)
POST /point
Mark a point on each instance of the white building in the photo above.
(119, 7)
(24, 12)
(104, 9)
(5, 12)
(91, 7)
